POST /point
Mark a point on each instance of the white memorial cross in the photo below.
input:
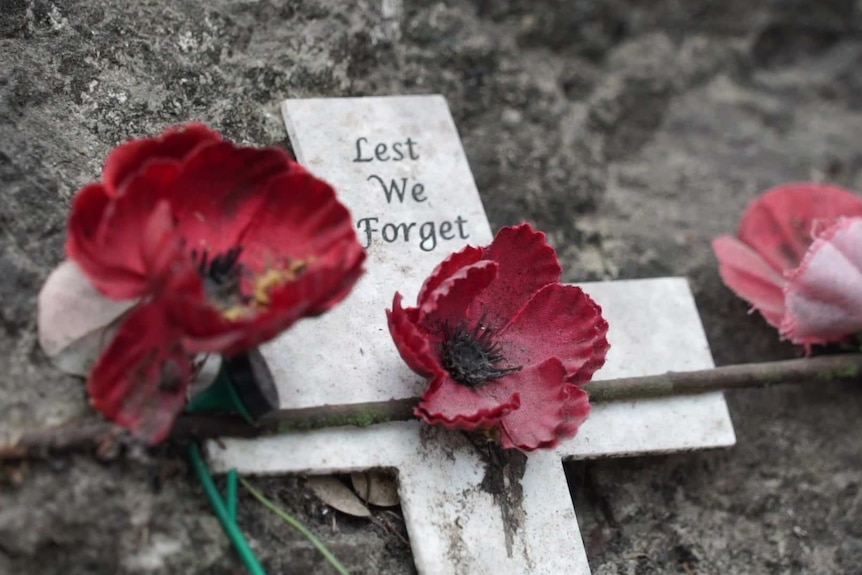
(399, 166)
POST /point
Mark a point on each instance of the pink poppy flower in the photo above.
(774, 235)
(226, 246)
(504, 344)
(823, 296)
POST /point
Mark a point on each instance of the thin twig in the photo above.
(845, 367)
(105, 438)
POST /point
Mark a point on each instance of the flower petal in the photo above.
(526, 262)
(750, 277)
(105, 235)
(207, 329)
(140, 381)
(74, 318)
(576, 409)
(454, 406)
(412, 343)
(126, 160)
(219, 190)
(88, 209)
(447, 305)
(824, 295)
(778, 224)
(120, 238)
(550, 410)
(302, 221)
(559, 321)
(447, 268)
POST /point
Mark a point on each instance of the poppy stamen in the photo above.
(222, 275)
(473, 358)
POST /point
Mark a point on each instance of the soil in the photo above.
(631, 131)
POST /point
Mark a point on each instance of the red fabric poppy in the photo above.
(824, 294)
(504, 344)
(774, 235)
(227, 246)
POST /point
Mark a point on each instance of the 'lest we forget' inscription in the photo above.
(398, 165)
(426, 233)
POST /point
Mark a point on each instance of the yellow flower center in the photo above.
(262, 287)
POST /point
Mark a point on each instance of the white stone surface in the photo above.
(455, 527)
(654, 328)
(347, 356)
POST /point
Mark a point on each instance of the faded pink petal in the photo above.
(778, 224)
(775, 232)
(750, 277)
(824, 295)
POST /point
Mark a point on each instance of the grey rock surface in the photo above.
(631, 131)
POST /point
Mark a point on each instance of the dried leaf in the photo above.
(337, 495)
(75, 321)
(376, 487)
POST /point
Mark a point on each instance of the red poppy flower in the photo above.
(774, 235)
(227, 246)
(824, 294)
(504, 344)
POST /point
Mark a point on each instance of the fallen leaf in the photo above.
(75, 321)
(376, 487)
(337, 495)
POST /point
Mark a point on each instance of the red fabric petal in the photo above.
(454, 406)
(576, 409)
(219, 190)
(412, 343)
(526, 262)
(750, 277)
(447, 306)
(343, 268)
(88, 209)
(559, 321)
(120, 238)
(824, 295)
(175, 144)
(447, 268)
(544, 411)
(206, 329)
(778, 224)
(301, 217)
(140, 381)
(105, 235)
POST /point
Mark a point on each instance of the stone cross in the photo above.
(399, 166)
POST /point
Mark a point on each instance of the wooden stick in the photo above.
(844, 367)
(106, 439)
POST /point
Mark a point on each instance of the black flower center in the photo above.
(222, 275)
(473, 358)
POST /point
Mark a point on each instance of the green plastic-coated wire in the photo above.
(293, 522)
(223, 513)
(231, 494)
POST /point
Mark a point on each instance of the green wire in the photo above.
(298, 526)
(223, 512)
(231, 494)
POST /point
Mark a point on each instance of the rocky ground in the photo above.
(631, 131)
